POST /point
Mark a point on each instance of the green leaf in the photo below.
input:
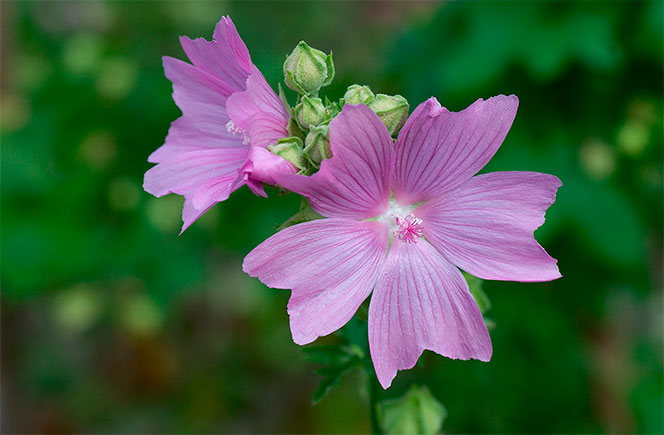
(417, 412)
(333, 374)
(332, 355)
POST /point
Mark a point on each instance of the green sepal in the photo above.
(317, 145)
(290, 148)
(299, 88)
(284, 99)
(294, 130)
(330, 70)
(306, 214)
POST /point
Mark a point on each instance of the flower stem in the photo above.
(374, 393)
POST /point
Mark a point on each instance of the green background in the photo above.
(113, 323)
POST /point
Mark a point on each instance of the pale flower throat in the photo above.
(403, 224)
(233, 129)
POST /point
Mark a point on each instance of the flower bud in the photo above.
(306, 69)
(317, 144)
(290, 148)
(310, 111)
(356, 94)
(391, 109)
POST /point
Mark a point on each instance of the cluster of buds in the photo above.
(391, 109)
(306, 71)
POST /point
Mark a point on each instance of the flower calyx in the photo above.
(317, 144)
(309, 112)
(290, 148)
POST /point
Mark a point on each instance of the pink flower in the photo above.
(229, 117)
(406, 247)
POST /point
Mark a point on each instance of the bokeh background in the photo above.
(113, 323)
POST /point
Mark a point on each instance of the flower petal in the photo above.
(331, 265)
(202, 98)
(421, 301)
(226, 34)
(262, 165)
(486, 226)
(355, 182)
(204, 177)
(226, 56)
(438, 150)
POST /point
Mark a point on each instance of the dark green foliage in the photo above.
(112, 323)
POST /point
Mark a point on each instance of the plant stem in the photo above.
(374, 392)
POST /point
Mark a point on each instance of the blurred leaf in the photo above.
(417, 412)
(333, 374)
(475, 286)
(336, 361)
(331, 355)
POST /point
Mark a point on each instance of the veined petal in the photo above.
(331, 266)
(202, 98)
(185, 172)
(259, 111)
(438, 150)
(226, 34)
(486, 226)
(190, 213)
(204, 177)
(421, 301)
(355, 182)
(226, 56)
(205, 157)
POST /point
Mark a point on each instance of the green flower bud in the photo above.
(290, 148)
(310, 111)
(317, 144)
(356, 94)
(306, 69)
(392, 110)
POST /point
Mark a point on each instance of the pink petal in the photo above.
(225, 57)
(204, 177)
(486, 226)
(421, 301)
(226, 34)
(202, 98)
(259, 111)
(355, 182)
(331, 265)
(438, 150)
(190, 213)
(201, 159)
(262, 166)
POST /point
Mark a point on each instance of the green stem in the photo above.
(374, 393)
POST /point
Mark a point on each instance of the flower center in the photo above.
(408, 228)
(234, 129)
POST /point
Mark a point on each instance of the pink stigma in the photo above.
(408, 228)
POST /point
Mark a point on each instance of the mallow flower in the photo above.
(400, 219)
(229, 117)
